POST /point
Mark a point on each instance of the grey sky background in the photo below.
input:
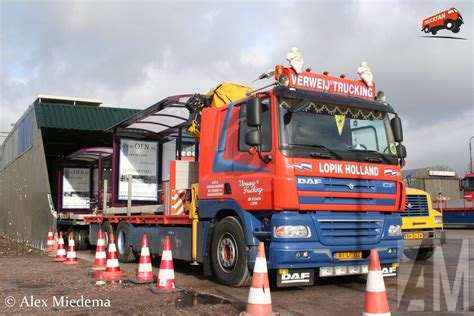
(134, 53)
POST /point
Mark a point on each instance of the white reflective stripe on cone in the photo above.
(112, 263)
(71, 243)
(167, 255)
(49, 242)
(166, 274)
(100, 255)
(145, 252)
(100, 242)
(144, 267)
(375, 282)
(112, 248)
(71, 254)
(259, 296)
(61, 252)
(379, 314)
(260, 265)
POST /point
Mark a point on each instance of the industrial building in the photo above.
(435, 180)
(50, 129)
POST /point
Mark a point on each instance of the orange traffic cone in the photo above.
(376, 302)
(112, 269)
(71, 257)
(50, 242)
(61, 253)
(54, 249)
(259, 302)
(145, 272)
(166, 282)
(100, 256)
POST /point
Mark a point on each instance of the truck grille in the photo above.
(344, 231)
(416, 205)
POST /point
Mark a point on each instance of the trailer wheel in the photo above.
(80, 238)
(229, 253)
(124, 251)
(421, 254)
(107, 229)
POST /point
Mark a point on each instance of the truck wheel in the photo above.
(107, 229)
(426, 29)
(124, 251)
(449, 24)
(456, 29)
(229, 253)
(421, 254)
(434, 32)
(80, 241)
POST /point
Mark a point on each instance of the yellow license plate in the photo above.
(414, 236)
(349, 255)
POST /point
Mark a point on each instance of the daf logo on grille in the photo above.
(409, 205)
(351, 186)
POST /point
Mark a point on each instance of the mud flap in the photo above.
(389, 271)
(295, 277)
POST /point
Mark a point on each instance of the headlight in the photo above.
(394, 230)
(299, 231)
(438, 220)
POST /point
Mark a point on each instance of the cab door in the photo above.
(252, 178)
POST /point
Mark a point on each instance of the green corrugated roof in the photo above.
(79, 117)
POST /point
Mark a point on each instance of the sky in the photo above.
(134, 53)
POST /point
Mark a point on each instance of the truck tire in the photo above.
(421, 254)
(107, 229)
(124, 250)
(229, 253)
(80, 239)
(449, 24)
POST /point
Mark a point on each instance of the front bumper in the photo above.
(430, 239)
(304, 255)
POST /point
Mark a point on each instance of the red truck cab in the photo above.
(468, 187)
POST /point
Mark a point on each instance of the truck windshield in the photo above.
(468, 184)
(340, 131)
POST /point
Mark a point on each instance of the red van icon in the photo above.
(450, 19)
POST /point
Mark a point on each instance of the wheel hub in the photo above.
(227, 252)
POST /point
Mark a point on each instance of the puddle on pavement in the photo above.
(193, 299)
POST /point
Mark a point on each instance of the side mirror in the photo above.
(253, 138)
(396, 124)
(401, 152)
(254, 112)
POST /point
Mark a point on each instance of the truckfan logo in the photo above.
(450, 19)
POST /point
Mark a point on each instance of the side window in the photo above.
(266, 127)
